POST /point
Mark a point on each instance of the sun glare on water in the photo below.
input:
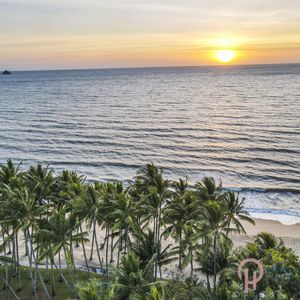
(225, 56)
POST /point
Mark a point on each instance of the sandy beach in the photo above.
(289, 233)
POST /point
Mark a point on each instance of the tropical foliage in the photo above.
(149, 239)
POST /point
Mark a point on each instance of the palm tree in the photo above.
(265, 241)
(190, 246)
(150, 176)
(39, 182)
(180, 187)
(236, 212)
(157, 294)
(56, 235)
(132, 278)
(89, 208)
(94, 289)
(89, 290)
(214, 215)
(207, 189)
(155, 190)
(153, 206)
(122, 212)
(68, 176)
(67, 186)
(182, 209)
(10, 174)
(145, 248)
(109, 192)
(221, 255)
(23, 213)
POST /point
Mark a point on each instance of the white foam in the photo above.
(283, 219)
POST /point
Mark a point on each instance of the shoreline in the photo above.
(284, 217)
(290, 233)
(273, 226)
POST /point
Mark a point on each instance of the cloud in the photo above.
(34, 27)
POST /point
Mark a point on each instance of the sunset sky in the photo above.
(55, 34)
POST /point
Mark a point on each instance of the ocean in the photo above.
(239, 124)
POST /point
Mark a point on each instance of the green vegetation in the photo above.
(148, 225)
(26, 293)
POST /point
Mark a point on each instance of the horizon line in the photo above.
(153, 67)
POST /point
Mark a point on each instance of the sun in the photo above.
(225, 56)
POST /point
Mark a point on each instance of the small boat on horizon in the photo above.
(6, 72)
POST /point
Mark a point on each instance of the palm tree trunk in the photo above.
(84, 252)
(180, 250)
(192, 275)
(72, 258)
(160, 273)
(52, 281)
(215, 260)
(227, 231)
(59, 265)
(34, 273)
(11, 289)
(77, 244)
(9, 246)
(158, 242)
(208, 283)
(30, 264)
(63, 278)
(126, 240)
(112, 249)
(6, 231)
(106, 251)
(97, 247)
(47, 270)
(93, 240)
(119, 248)
(18, 264)
(38, 271)
(158, 229)
(69, 270)
(36, 268)
(12, 267)
(26, 246)
(6, 269)
(192, 268)
(106, 244)
(155, 240)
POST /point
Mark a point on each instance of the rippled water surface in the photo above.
(239, 124)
